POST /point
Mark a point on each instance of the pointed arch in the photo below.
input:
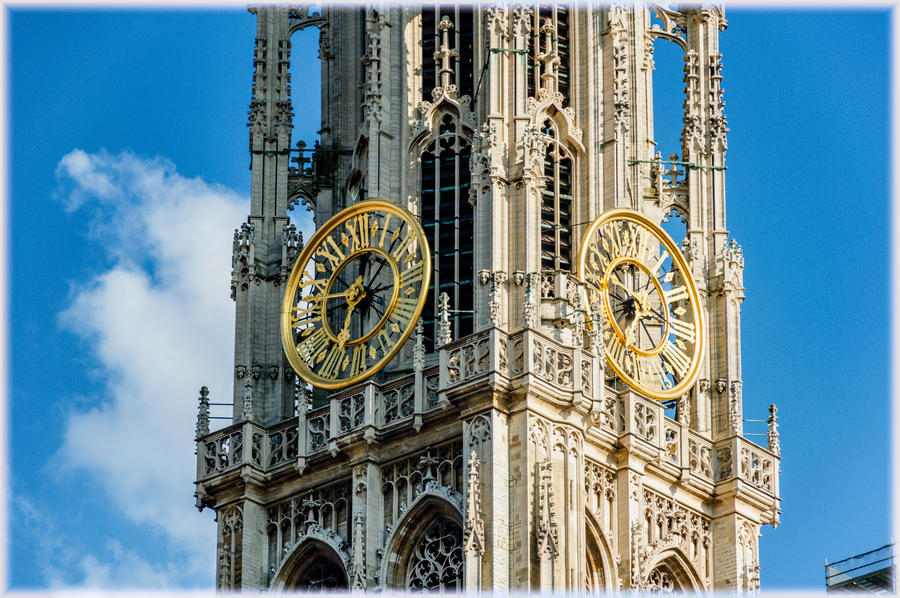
(442, 156)
(425, 549)
(600, 576)
(312, 565)
(672, 570)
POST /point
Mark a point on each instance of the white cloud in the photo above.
(160, 323)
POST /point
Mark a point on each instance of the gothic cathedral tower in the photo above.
(498, 449)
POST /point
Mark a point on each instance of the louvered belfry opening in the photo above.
(556, 204)
(447, 216)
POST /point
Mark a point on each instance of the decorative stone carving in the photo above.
(773, 443)
(247, 402)
(717, 123)
(273, 372)
(724, 460)
(243, 260)
(683, 410)
(700, 458)
(478, 431)
(473, 531)
(240, 371)
(546, 528)
(621, 103)
(203, 413)
(358, 559)
(231, 545)
(469, 360)
(674, 526)
(645, 422)
(419, 348)
(291, 246)
(444, 335)
(735, 419)
(480, 166)
(552, 363)
(692, 131)
(372, 104)
(256, 371)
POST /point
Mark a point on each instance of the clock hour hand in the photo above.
(354, 295)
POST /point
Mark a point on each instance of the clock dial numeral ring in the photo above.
(355, 294)
(651, 314)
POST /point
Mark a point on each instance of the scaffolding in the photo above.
(870, 572)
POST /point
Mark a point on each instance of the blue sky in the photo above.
(128, 170)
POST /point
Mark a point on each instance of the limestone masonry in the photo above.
(497, 450)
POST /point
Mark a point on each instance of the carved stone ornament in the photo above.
(247, 403)
(419, 348)
(473, 532)
(240, 371)
(444, 335)
(358, 558)
(203, 413)
(773, 444)
(720, 386)
(546, 528)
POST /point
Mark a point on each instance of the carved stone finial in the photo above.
(358, 560)
(773, 444)
(547, 530)
(735, 417)
(683, 415)
(473, 534)
(419, 348)
(203, 413)
(247, 406)
(444, 335)
(444, 53)
(549, 58)
(529, 307)
(428, 465)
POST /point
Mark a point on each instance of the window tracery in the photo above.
(437, 559)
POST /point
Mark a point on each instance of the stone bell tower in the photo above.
(497, 450)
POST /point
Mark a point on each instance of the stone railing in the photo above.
(364, 408)
(220, 451)
(672, 444)
(739, 458)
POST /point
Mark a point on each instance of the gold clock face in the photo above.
(653, 328)
(355, 294)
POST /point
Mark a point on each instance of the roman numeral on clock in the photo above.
(676, 358)
(358, 360)
(330, 368)
(683, 330)
(676, 294)
(404, 310)
(414, 274)
(313, 344)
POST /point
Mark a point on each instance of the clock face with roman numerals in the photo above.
(636, 277)
(355, 294)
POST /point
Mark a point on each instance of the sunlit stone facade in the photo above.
(497, 450)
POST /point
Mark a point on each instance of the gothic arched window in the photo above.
(436, 562)
(448, 220)
(321, 575)
(556, 203)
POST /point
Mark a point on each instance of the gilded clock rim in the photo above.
(290, 290)
(662, 237)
